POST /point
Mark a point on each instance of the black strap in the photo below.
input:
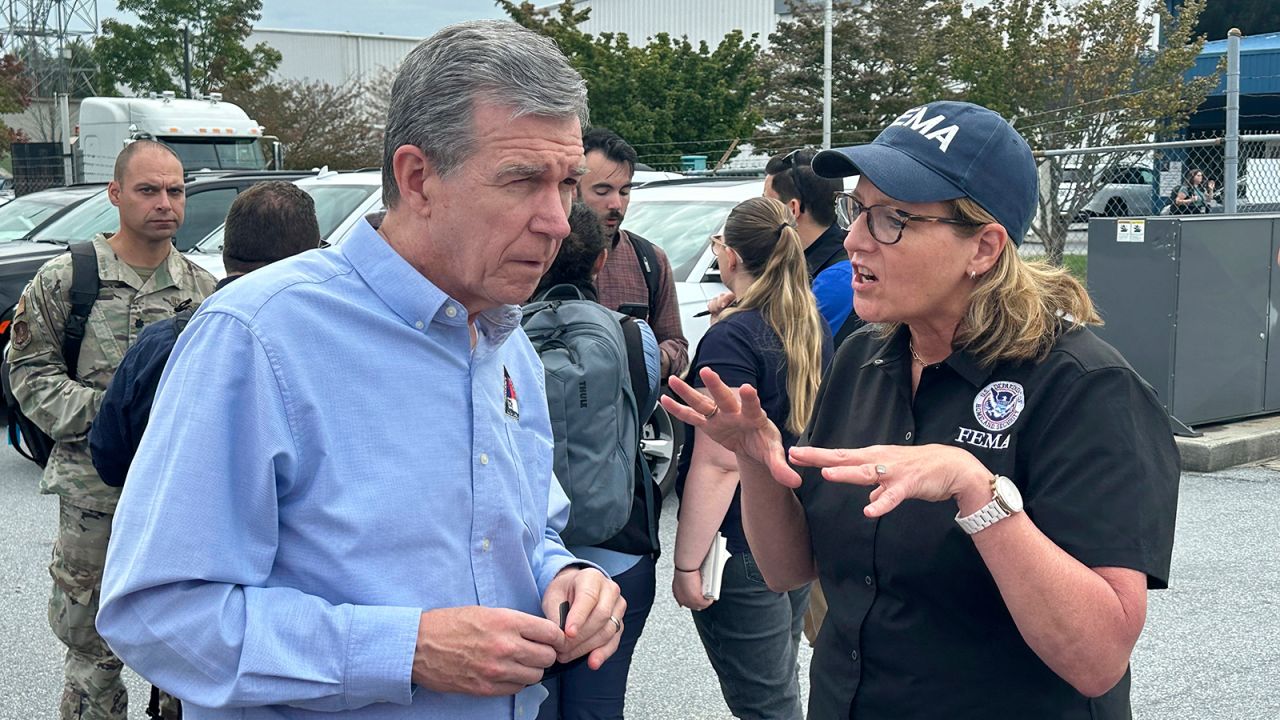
(640, 389)
(84, 293)
(635, 363)
(649, 267)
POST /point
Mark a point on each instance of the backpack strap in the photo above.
(649, 267)
(84, 293)
(181, 319)
(635, 362)
(563, 291)
(640, 389)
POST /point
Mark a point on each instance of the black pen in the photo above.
(705, 313)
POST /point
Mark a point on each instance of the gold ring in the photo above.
(617, 624)
(882, 470)
(713, 412)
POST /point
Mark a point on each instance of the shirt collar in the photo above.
(895, 349)
(112, 268)
(826, 246)
(892, 350)
(410, 295)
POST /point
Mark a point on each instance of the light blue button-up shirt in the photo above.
(327, 458)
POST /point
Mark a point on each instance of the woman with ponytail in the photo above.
(773, 339)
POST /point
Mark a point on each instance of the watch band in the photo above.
(989, 514)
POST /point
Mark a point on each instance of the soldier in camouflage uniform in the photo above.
(142, 278)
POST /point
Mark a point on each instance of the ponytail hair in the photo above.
(763, 233)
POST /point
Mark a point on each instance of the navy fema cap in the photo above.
(944, 151)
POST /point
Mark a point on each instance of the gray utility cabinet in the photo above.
(1193, 304)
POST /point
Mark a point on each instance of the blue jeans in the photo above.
(585, 694)
(752, 637)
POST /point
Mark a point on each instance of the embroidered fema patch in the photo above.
(998, 405)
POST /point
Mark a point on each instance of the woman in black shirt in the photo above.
(988, 489)
(774, 339)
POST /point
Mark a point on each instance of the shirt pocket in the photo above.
(532, 457)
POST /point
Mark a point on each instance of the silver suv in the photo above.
(1125, 191)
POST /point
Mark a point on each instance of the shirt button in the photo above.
(854, 656)
(484, 544)
(908, 436)
(868, 581)
(484, 459)
(878, 362)
(419, 325)
(451, 311)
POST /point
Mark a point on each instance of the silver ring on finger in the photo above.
(715, 409)
(617, 624)
(882, 470)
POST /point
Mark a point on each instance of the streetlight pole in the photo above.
(826, 79)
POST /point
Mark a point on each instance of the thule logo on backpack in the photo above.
(582, 394)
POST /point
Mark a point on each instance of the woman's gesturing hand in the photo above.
(735, 420)
(925, 472)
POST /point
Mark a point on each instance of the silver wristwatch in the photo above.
(1005, 501)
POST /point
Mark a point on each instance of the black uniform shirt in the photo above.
(917, 627)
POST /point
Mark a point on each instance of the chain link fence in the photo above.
(1185, 177)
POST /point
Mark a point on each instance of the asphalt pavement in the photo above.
(1211, 648)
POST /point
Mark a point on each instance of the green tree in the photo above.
(668, 97)
(886, 58)
(149, 56)
(320, 124)
(1253, 17)
(15, 96)
(1077, 76)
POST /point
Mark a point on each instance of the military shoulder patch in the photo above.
(21, 335)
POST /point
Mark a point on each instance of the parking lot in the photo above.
(1211, 648)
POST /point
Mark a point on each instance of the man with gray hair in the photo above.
(350, 451)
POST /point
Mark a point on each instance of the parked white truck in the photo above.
(207, 133)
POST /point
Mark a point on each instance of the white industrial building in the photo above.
(333, 57)
(703, 20)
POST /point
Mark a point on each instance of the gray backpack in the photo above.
(596, 380)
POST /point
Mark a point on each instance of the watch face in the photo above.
(1008, 494)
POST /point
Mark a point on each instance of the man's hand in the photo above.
(483, 651)
(596, 609)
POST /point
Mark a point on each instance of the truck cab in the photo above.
(205, 132)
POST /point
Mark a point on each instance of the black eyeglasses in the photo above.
(885, 222)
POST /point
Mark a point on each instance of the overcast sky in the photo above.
(411, 18)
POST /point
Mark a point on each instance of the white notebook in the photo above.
(713, 567)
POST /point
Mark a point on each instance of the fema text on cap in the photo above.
(915, 119)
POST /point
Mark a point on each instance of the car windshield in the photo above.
(200, 154)
(21, 216)
(93, 216)
(679, 227)
(334, 203)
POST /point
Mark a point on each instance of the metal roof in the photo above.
(1259, 64)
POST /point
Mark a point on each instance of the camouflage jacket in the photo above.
(65, 408)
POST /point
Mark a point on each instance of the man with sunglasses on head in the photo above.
(789, 178)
